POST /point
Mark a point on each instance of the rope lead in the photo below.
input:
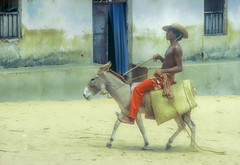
(136, 66)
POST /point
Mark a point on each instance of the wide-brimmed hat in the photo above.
(178, 27)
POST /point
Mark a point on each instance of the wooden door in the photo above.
(100, 33)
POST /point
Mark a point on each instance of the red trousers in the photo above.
(137, 96)
(143, 87)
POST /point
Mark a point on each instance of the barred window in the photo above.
(214, 17)
(10, 21)
(109, 1)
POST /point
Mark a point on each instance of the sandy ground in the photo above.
(76, 132)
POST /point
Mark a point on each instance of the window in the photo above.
(214, 17)
(109, 1)
(10, 21)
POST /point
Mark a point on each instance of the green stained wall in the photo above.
(217, 72)
(54, 32)
(45, 83)
(148, 37)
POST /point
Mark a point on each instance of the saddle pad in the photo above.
(165, 109)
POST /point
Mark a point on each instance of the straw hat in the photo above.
(178, 27)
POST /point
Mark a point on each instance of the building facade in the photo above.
(78, 32)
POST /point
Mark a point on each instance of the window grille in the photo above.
(10, 25)
(213, 22)
(214, 17)
(109, 1)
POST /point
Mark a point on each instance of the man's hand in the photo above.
(158, 73)
(156, 57)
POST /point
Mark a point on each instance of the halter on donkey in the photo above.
(111, 81)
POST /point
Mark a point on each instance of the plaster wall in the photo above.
(45, 83)
(149, 16)
(209, 78)
(54, 32)
(68, 82)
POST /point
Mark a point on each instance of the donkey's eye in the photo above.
(92, 79)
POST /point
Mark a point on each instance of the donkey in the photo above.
(115, 84)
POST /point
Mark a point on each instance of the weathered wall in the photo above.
(58, 32)
(217, 74)
(68, 82)
(54, 32)
(149, 16)
(209, 78)
(45, 83)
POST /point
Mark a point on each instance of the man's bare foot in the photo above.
(126, 120)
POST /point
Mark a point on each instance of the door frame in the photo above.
(129, 27)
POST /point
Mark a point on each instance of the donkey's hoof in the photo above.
(144, 148)
(168, 146)
(193, 148)
(109, 145)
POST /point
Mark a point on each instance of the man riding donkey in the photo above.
(172, 63)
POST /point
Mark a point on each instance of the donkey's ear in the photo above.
(105, 67)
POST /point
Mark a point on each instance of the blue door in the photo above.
(110, 35)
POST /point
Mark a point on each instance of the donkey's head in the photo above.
(96, 83)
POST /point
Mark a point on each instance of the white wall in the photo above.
(149, 16)
(54, 32)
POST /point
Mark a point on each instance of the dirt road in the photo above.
(76, 132)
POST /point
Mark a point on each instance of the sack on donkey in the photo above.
(165, 109)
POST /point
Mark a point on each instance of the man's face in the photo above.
(170, 35)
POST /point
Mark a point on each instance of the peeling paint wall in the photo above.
(149, 16)
(54, 32)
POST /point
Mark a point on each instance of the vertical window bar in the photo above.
(217, 24)
(209, 24)
(221, 22)
(204, 23)
(8, 29)
(17, 25)
(4, 25)
(0, 25)
(214, 23)
(12, 25)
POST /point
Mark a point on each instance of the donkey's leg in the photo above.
(181, 125)
(187, 119)
(142, 130)
(116, 125)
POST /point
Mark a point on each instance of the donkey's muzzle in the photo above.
(87, 94)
